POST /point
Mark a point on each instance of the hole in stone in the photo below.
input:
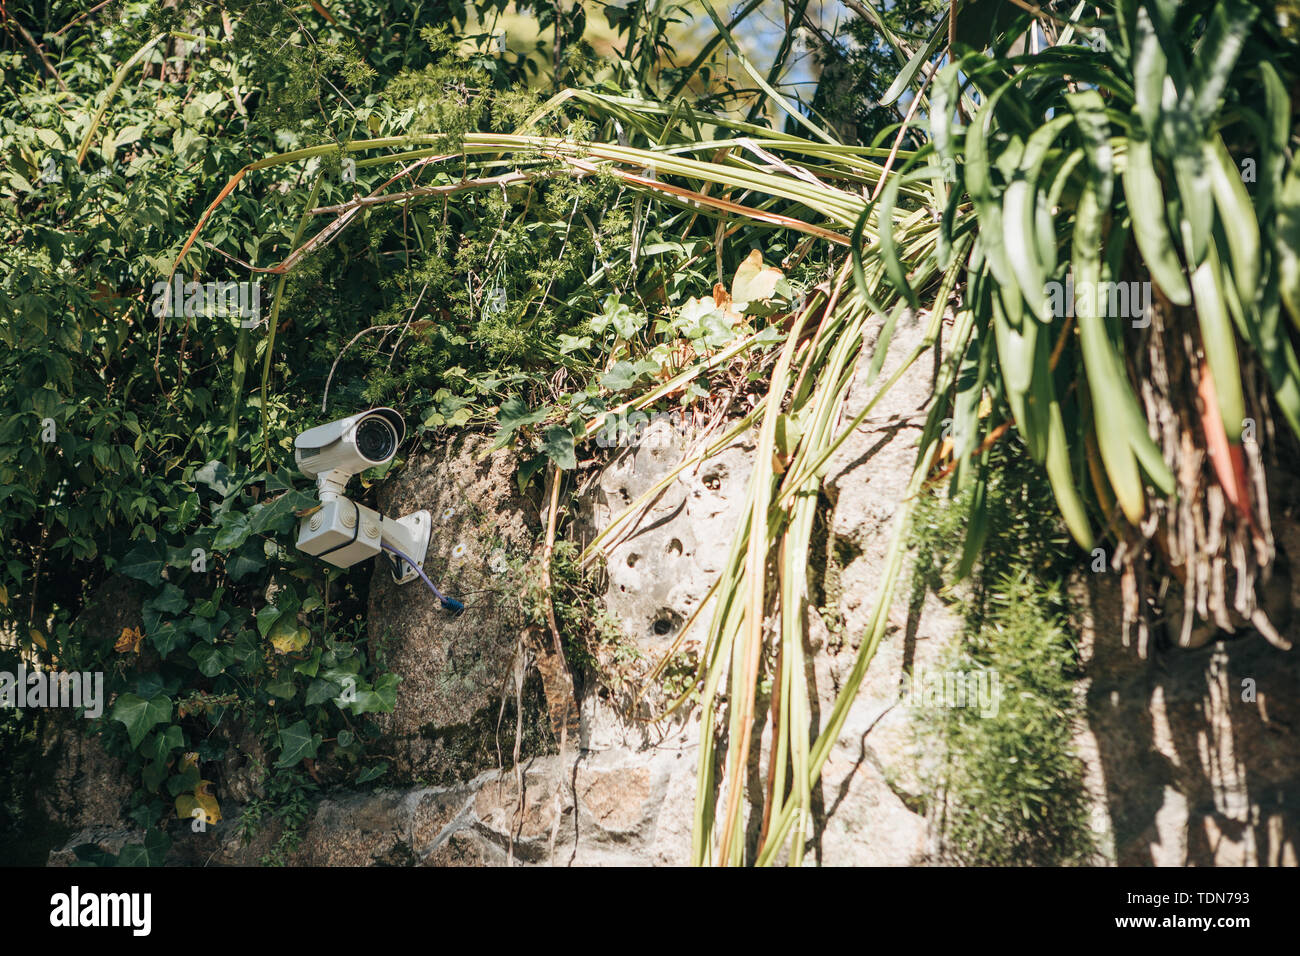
(627, 499)
(713, 479)
(632, 559)
(666, 622)
(674, 546)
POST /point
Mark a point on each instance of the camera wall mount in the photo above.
(343, 533)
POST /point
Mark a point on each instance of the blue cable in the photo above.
(448, 604)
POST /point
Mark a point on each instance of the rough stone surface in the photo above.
(664, 564)
(872, 813)
(87, 786)
(453, 670)
(109, 839)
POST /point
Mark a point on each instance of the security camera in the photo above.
(334, 452)
(342, 532)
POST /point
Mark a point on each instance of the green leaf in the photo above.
(152, 852)
(1287, 243)
(297, 742)
(232, 531)
(249, 559)
(216, 476)
(267, 616)
(211, 660)
(184, 782)
(144, 562)
(1220, 344)
(171, 599)
(1217, 54)
(320, 691)
(160, 745)
(278, 515)
(139, 716)
(557, 442)
(621, 376)
(514, 415)
(168, 637)
(572, 343)
(153, 774)
(1146, 205)
(379, 699)
(625, 320)
(209, 629)
(908, 73)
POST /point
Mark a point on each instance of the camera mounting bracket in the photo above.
(409, 534)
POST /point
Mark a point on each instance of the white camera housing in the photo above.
(334, 452)
(342, 532)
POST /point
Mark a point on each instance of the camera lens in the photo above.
(376, 439)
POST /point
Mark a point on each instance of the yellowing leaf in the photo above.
(755, 281)
(4, 595)
(199, 805)
(287, 636)
(129, 641)
(38, 639)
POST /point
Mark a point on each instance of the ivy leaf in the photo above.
(266, 617)
(379, 699)
(529, 469)
(514, 415)
(297, 742)
(310, 666)
(233, 530)
(627, 323)
(280, 480)
(322, 690)
(277, 515)
(183, 556)
(171, 599)
(168, 637)
(286, 636)
(558, 445)
(625, 320)
(186, 780)
(151, 685)
(152, 852)
(187, 511)
(199, 805)
(211, 660)
(144, 563)
(283, 688)
(209, 629)
(571, 343)
(622, 376)
(216, 476)
(139, 716)
(153, 774)
(160, 745)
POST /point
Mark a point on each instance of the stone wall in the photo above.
(1179, 768)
